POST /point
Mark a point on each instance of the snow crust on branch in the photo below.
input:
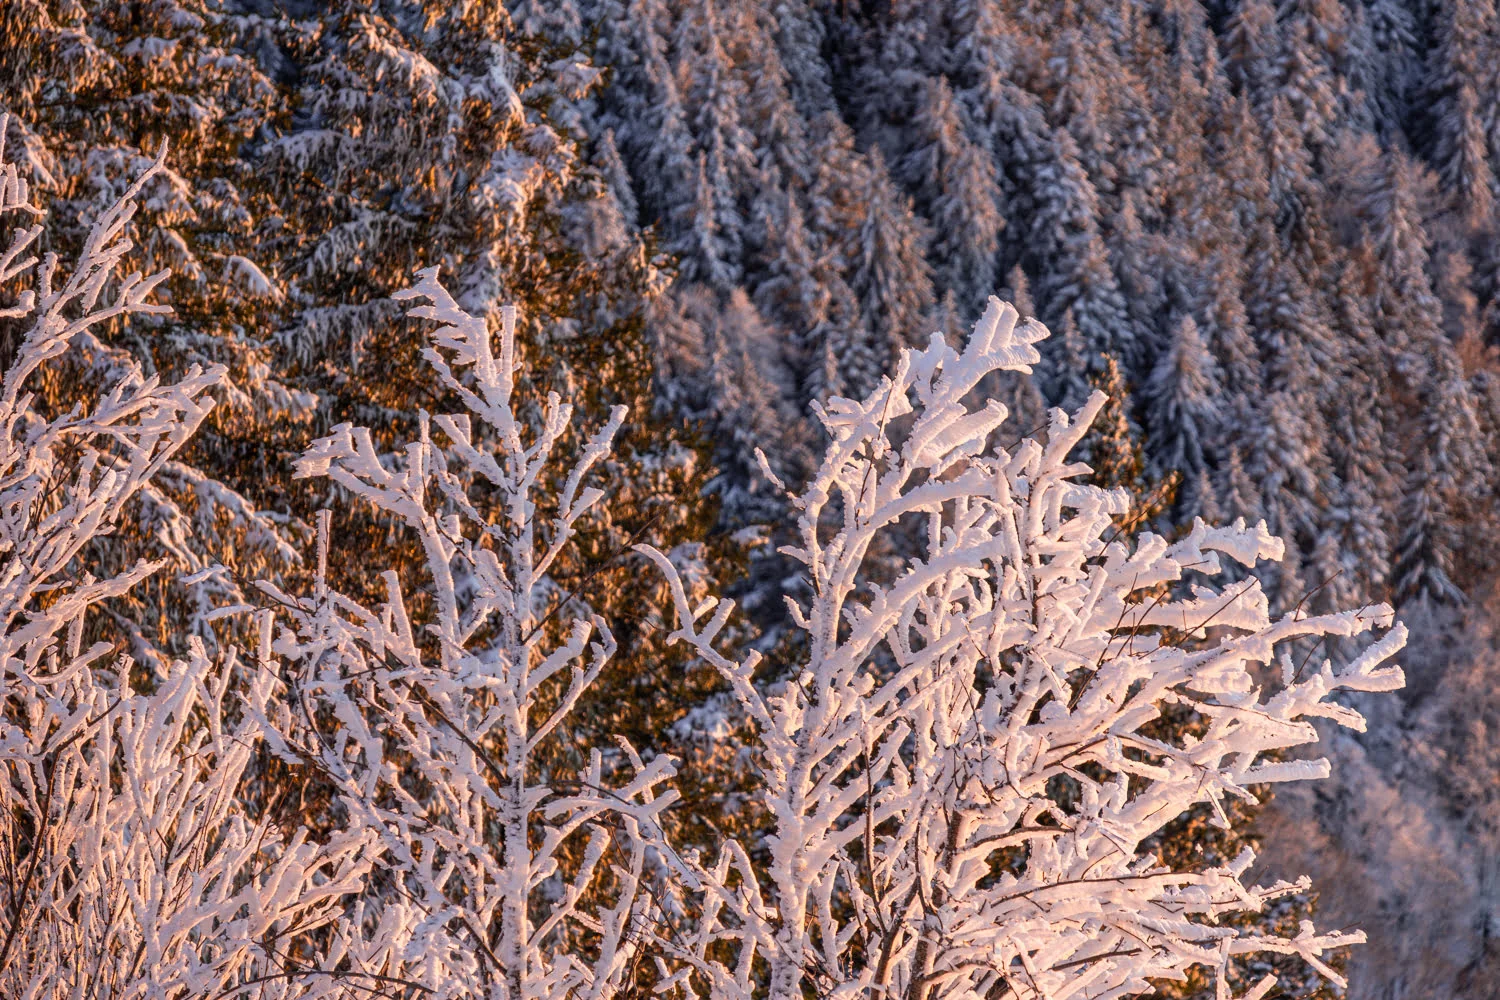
(964, 766)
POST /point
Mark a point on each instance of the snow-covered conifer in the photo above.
(1068, 253)
(1182, 402)
(803, 290)
(1457, 84)
(1067, 366)
(956, 190)
(1313, 34)
(799, 36)
(891, 278)
(893, 76)
(644, 105)
(1249, 42)
(1367, 465)
(711, 225)
(1084, 73)
(1392, 54)
(1449, 470)
(734, 380)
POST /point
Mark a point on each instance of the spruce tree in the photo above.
(956, 191)
(1457, 78)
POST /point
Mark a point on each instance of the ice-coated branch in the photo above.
(964, 767)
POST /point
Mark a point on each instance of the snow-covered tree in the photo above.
(1249, 42)
(966, 761)
(799, 36)
(1084, 74)
(1392, 56)
(1449, 470)
(431, 731)
(710, 225)
(727, 364)
(956, 190)
(803, 292)
(1458, 90)
(1067, 251)
(1312, 35)
(1182, 405)
(891, 279)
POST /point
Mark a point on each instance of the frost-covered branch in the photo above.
(963, 769)
(500, 875)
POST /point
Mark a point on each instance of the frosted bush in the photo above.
(129, 865)
(963, 768)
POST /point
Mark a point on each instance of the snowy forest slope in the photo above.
(1278, 220)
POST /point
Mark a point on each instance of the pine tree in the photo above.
(1079, 72)
(1368, 468)
(771, 109)
(1407, 313)
(799, 38)
(892, 77)
(1068, 366)
(727, 364)
(1289, 168)
(982, 44)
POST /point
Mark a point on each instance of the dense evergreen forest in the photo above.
(1269, 231)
